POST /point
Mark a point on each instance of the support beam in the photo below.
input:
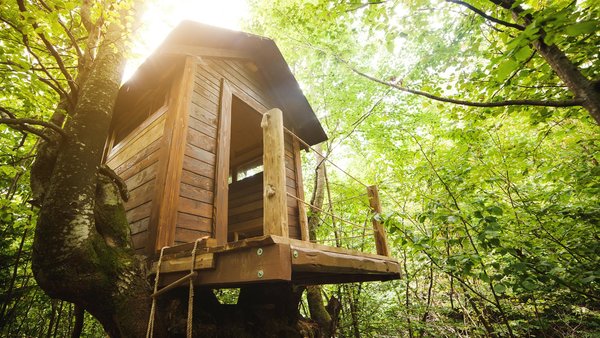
(379, 231)
(275, 221)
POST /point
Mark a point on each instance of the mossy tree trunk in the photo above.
(82, 251)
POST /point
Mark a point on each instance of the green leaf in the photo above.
(584, 27)
(528, 285)
(523, 53)
(505, 69)
(495, 210)
(499, 288)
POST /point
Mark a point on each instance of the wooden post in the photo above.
(379, 231)
(222, 166)
(275, 217)
(163, 216)
(300, 191)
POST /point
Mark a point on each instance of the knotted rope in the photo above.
(150, 329)
(190, 315)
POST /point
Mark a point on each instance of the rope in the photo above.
(324, 157)
(190, 314)
(335, 239)
(349, 198)
(150, 329)
(325, 212)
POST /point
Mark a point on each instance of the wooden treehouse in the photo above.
(207, 135)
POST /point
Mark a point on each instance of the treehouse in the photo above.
(207, 136)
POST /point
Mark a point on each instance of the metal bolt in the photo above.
(295, 254)
(259, 251)
(260, 274)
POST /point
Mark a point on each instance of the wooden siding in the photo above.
(197, 192)
(135, 160)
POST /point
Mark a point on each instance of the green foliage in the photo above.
(493, 212)
(43, 46)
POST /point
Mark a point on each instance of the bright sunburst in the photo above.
(161, 17)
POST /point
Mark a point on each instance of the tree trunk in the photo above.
(82, 250)
(318, 311)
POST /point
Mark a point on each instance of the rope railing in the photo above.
(325, 212)
(374, 204)
(341, 235)
(275, 130)
(347, 199)
(324, 157)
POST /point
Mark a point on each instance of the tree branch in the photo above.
(537, 103)
(366, 4)
(52, 51)
(55, 85)
(487, 17)
(67, 30)
(24, 124)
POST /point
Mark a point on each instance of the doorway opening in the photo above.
(245, 200)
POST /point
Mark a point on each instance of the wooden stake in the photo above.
(175, 284)
(379, 231)
(275, 199)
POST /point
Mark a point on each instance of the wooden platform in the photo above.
(273, 258)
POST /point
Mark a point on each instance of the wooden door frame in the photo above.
(221, 199)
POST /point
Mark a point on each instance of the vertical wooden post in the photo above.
(275, 217)
(379, 231)
(300, 191)
(163, 217)
(222, 166)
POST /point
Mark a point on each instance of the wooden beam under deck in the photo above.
(275, 258)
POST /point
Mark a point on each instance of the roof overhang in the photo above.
(192, 38)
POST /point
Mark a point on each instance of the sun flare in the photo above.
(160, 17)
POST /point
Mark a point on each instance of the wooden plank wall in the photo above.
(245, 212)
(135, 160)
(195, 210)
(195, 213)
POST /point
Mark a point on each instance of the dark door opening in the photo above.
(245, 203)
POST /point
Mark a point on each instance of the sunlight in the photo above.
(163, 16)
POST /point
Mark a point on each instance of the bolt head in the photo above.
(260, 274)
(295, 254)
(259, 251)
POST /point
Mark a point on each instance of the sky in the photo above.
(161, 17)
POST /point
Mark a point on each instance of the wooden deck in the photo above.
(273, 258)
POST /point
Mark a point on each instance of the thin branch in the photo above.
(512, 76)
(538, 103)
(34, 122)
(67, 30)
(55, 85)
(25, 124)
(52, 51)
(25, 129)
(365, 5)
(487, 17)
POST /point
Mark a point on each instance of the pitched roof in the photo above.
(215, 41)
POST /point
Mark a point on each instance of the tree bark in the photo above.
(82, 250)
(318, 311)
